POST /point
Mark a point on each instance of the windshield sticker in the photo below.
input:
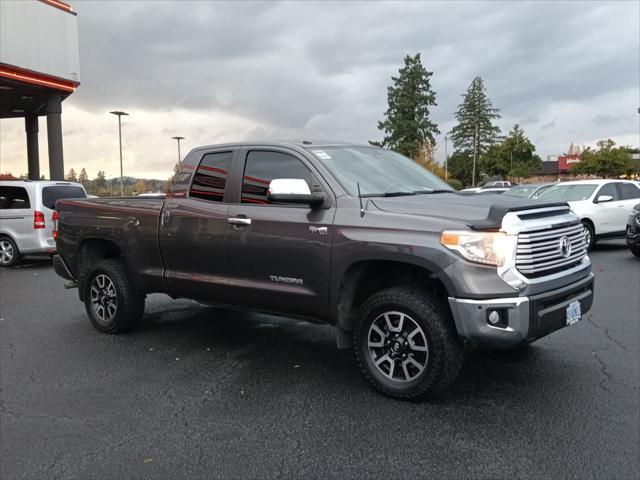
(321, 154)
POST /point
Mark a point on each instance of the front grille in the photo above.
(539, 252)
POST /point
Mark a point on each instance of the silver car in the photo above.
(26, 216)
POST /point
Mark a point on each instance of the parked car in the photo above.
(633, 231)
(498, 184)
(531, 190)
(482, 190)
(356, 236)
(26, 216)
(602, 205)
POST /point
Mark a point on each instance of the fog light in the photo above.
(498, 317)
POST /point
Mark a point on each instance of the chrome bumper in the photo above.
(525, 318)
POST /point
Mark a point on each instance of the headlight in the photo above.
(488, 248)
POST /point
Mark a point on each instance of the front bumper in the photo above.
(527, 318)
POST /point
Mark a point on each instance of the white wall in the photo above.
(39, 37)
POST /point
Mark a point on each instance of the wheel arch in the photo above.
(91, 250)
(363, 278)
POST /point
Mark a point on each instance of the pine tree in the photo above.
(71, 176)
(83, 178)
(101, 180)
(407, 126)
(475, 131)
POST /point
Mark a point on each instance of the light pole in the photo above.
(120, 114)
(178, 139)
(446, 159)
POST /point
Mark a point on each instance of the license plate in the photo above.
(573, 312)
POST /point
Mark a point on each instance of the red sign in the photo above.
(565, 162)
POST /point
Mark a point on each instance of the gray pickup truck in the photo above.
(357, 236)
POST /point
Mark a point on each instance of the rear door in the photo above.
(610, 217)
(629, 197)
(193, 229)
(279, 254)
(16, 215)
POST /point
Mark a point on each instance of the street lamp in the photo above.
(120, 114)
(178, 139)
(446, 159)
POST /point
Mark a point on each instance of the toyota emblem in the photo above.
(565, 247)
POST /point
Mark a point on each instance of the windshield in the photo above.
(380, 172)
(569, 193)
(522, 191)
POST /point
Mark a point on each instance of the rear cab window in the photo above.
(51, 194)
(210, 179)
(14, 198)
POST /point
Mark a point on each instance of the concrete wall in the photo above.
(39, 37)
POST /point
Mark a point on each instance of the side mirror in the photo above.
(604, 198)
(293, 190)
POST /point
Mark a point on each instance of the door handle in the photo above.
(239, 222)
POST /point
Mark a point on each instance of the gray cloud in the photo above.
(322, 69)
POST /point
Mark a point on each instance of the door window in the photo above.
(210, 178)
(13, 198)
(609, 189)
(628, 191)
(262, 167)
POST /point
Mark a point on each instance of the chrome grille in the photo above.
(539, 252)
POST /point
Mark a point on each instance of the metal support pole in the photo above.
(54, 136)
(446, 160)
(33, 152)
(120, 142)
(475, 154)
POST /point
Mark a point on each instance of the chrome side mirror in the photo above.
(293, 190)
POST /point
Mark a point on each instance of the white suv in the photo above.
(26, 216)
(603, 205)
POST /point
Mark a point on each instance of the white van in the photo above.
(26, 216)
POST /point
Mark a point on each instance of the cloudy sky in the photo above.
(215, 72)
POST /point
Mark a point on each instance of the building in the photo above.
(39, 68)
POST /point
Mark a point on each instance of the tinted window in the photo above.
(13, 198)
(50, 195)
(628, 191)
(211, 176)
(522, 191)
(609, 189)
(262, 167)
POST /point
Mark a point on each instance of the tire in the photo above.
(109, 299)
(426, 335)
(9, 254)
(589, 234)
(635, 250)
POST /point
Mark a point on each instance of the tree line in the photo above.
(479, 147)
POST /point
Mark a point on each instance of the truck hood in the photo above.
(477, 211)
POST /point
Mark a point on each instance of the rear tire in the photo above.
(9, 254)
(110, 301)
(589, 234)
(406, 345)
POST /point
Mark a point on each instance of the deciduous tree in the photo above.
(605, 161)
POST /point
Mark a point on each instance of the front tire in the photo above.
(635, 250)
(406, 345)
(110, 301)
(9, 253)
(589, 235)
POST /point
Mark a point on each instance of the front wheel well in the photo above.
(363, 279)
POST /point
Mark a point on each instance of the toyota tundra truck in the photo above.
(356, 236)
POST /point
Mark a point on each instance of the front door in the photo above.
(279, 254)
(192, 233)
(610, 217)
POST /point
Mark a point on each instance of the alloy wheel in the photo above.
(6, 252)
(398, 346)
(104, 299)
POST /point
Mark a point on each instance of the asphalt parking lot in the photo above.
(203, 392)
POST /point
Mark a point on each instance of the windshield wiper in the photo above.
(437, 190)
(387, 194)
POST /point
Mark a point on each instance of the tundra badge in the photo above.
(317, 230)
